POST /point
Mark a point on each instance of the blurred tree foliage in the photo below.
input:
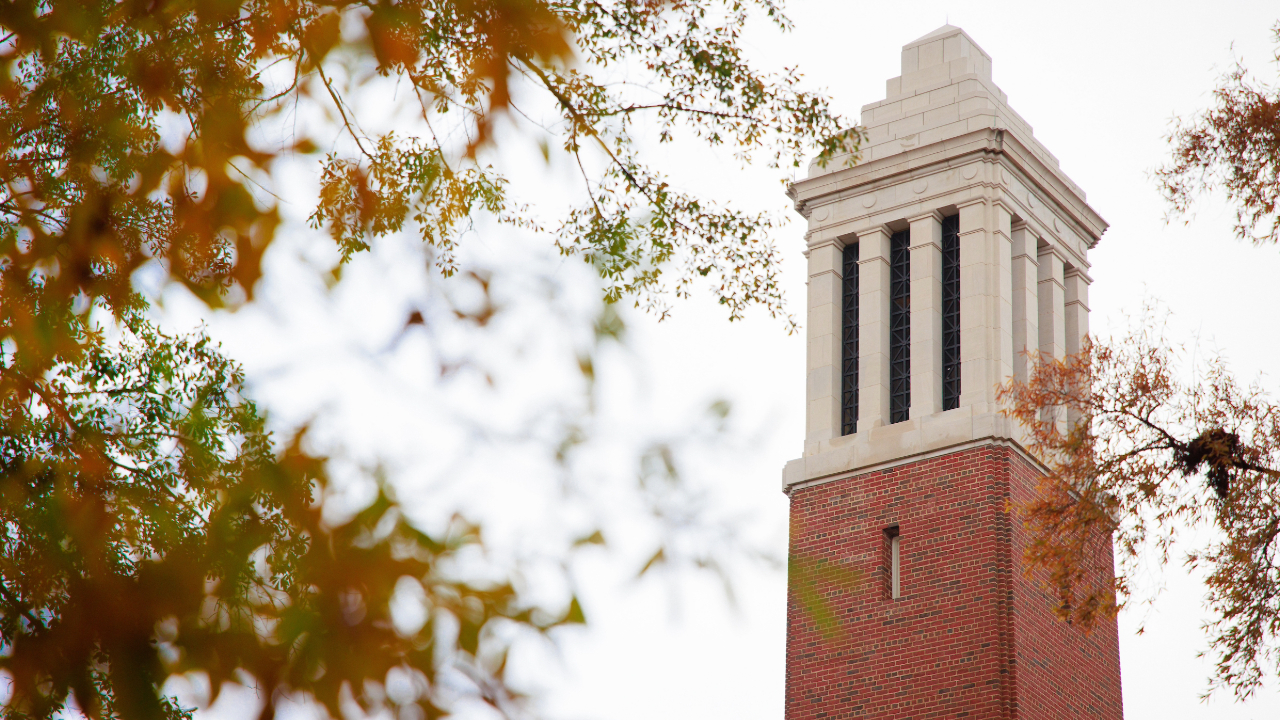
(151, 525)
(1160, 452)
(1157, 457)
(1233, 147)
(152, 529)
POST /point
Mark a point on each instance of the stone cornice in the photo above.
(792, 484)
(992, 143)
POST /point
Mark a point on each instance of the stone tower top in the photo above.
(952, 247)
(948, 44)
(945, 91)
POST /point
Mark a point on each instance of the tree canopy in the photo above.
(152, 525)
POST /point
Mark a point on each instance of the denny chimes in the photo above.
(952, 246)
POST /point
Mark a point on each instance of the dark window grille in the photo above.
(900, 326)
(951, 312)
(849, 373)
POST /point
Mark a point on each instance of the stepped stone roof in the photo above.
(945, 92)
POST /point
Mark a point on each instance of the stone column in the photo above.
(986, 307)
(873, 328)
(1076, 321)
(1076, 307)
(1002, 239)
(926, 314)
(1026, 306)
(1053, 331)
(824, 340)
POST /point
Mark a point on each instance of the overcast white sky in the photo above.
(1099, 83)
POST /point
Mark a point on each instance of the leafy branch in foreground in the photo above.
(151, 526)
(1234, 146)
(1153, 458)
(133, 133)
(158, 533)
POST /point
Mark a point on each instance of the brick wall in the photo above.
(1062, 672)
(971, 636)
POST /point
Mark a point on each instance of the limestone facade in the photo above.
(944, 142)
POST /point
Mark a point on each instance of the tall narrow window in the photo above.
(895, 561)
(951, 312)
(849, 371)
(900, 327)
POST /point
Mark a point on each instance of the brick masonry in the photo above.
(972, 636)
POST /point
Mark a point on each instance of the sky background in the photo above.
(1098, 81)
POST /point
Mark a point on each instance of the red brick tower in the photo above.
(955, 243)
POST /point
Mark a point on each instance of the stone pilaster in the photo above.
(1076, 307)
(1052, 289)
(873, 328)
(986, 307)
(824, 341)
(926, 314)
(1076, 318)
(1026, 306)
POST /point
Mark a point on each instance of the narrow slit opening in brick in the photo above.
(894, 539)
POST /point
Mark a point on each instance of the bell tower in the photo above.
(952, 246)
